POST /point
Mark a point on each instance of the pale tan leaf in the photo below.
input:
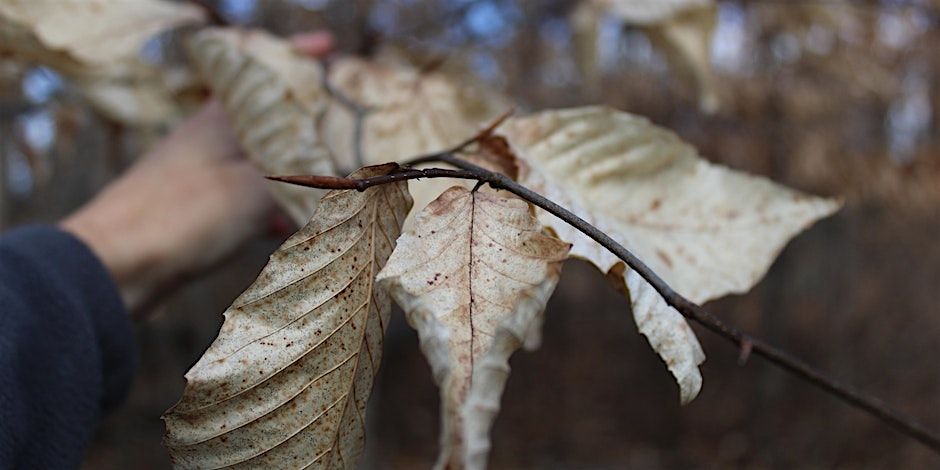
(649, 12)
(687, 38)
(665, 328)
(146, 96)
(585, 24)
(426, 191)
(706, 230)
(96, 43)
(683, 28)
(410, 113)
(133, 102)
(473, 276)
(489, 152)
(94, 37)
(275, 99)
(286, 382)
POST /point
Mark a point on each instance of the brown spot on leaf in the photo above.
(663, 256)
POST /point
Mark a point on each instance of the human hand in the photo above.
(184, 206)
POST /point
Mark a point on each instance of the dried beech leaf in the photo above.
(426, 191)
(146, 96)
(493, 153)
(274, 97)
(585, 22)
(134, 102)
(649, 12)
(411, 113)
(665, 328)
(96, 44)
(93, 37)
(706, 230)
(473, 276)
(682, 27)
(687, 38)
(286, 382)
(490, 152)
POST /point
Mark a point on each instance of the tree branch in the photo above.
(746, 343)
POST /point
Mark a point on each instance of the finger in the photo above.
(315, 44)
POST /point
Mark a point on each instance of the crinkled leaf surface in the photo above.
(275, 98)
(86, 36)
(286, 382)
(473, 276)
(705, 229)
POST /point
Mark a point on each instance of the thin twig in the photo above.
(687, 308)
(400, 174)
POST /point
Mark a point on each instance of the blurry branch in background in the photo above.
(447, 20)
(359, 116)
(746, 343)
(930, 10)
(214, 15)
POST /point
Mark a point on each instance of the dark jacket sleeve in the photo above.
(66, 348)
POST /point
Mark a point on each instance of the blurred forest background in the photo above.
(838, 98)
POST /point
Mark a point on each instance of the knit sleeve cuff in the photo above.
(70, 266)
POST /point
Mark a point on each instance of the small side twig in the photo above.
(745, 343)
(744, 352)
